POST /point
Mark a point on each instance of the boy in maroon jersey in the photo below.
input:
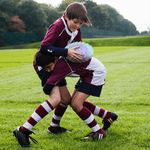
(61, 33)
(92, 74)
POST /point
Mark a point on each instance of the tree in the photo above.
(38, 17)
(98, 16)
(7, 9)
(63, 6)
(33, 16)
(144, 32)
(117, 18)
(52, 13)
(4, 20)
(120, 23)
(8, 6)
(16, 25)
(71, 1)
(16, 1)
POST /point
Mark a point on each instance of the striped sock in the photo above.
(97, 110)
(38, 114)
(88, 118)
(58, 113)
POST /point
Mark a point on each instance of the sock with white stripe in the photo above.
(58, 113)
(88, 118)
(38, 114)
(97, 110)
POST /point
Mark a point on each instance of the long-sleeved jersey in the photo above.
(92, 71)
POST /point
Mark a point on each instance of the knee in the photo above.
(54, 101)
(75, 106)
(66, 100)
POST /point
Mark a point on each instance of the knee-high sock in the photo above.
(97, 110)
(58, 113)
(38, 114)
(86, 115)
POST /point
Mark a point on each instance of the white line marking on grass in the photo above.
(3, 109)
(127, 112)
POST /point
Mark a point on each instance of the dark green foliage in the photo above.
(38, 17)
(99, 16)
(120, 23)
(87, 32)
(51, 13)
(8, 6)
(33, 16)
(7, 10)
(16, 38)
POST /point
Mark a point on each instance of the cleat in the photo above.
(89, 136)
(108, 122)
(58, 130)
(95, 136)
(23, 138)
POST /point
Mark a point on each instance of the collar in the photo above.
(72, 34)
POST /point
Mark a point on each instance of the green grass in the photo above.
(126, 92)
(97, 42)
(123, 41)
(120, 41)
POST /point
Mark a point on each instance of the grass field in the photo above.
(120, 41)
(126, 92)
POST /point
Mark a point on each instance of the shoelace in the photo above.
(100, 136)
(110, 120)
(94, 136)
(33, 140)
(90, 134)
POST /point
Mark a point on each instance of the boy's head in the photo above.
(46, 61)
(77, 10)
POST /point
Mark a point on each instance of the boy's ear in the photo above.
(66, 17)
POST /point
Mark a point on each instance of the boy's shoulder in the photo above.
(59, 23)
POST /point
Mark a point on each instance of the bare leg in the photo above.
(42, 110)
(84, 113)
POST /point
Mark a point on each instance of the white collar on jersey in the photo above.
(72, 34)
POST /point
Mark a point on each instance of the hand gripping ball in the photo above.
(84, 49)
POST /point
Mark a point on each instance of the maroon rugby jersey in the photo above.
(92, 71)
(59, 35)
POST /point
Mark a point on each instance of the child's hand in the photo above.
(74, 55)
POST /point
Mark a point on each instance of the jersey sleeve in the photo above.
(49, 40)
(53, 50)
(51, 35)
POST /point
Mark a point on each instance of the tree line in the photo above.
(36, 17)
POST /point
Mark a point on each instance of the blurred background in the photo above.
(27, 21)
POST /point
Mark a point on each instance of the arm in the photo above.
(57, 51)
(51, 37)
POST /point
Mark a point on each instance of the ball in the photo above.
(84, 49)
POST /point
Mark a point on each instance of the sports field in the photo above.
(126, 92)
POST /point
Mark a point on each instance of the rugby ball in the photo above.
(84, 49)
